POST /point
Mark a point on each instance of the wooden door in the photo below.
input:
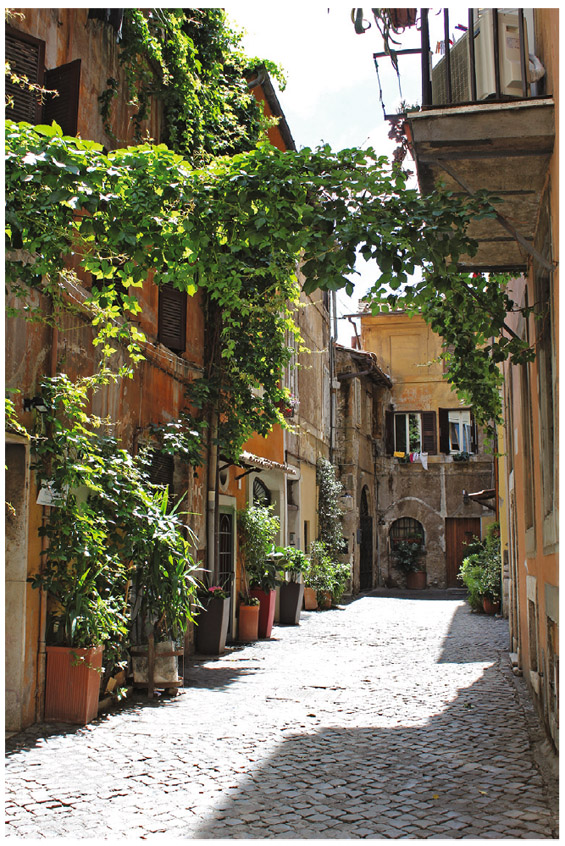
(458, 532)
(366, 551)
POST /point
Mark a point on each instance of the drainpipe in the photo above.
(41, 653)
(211, 486)
(333, 337)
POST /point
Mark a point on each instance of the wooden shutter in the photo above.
(172, 318)
(389, 432)
(26, 56)
(64, 108)
(162, 470)
(429, 433)
(443, 416)
(474, 435)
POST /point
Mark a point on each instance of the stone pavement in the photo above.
(394, 716)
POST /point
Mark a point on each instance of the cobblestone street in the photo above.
(390, 717)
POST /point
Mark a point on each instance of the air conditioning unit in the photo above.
(460, 79)
(509, 61)
(509, 54)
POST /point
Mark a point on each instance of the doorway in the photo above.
(226, 558)
(366, 551)
(459, 531)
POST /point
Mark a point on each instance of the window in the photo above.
(172, 318)
(261, 493)
(26, 56)
(411, 431)
(406, 529)
(457, 431)
(162, 470)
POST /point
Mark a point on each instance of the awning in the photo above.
(257, 462)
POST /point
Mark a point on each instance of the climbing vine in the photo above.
(191, 61)
(238, 228)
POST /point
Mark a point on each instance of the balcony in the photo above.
(485, 124)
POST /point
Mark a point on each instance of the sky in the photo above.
(332, 90)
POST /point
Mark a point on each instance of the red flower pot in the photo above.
(72, 684)
(267, 600)
(416, 580)
(490, 606)
(310, 601)
(248, 623)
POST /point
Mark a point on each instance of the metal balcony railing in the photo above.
(489, 62)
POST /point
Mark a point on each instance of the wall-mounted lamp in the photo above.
(466, 498)
(35, 402)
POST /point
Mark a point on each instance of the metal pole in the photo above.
(447, 55)
(472, 67)
(426, 80)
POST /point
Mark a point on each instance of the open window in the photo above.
(26, 57)
(458, 431)
(411, 431)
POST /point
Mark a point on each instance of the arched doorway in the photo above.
(366, 551)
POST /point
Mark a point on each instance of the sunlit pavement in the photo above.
(390, 717)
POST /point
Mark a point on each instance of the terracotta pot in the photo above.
(416, 580)
(211, 629)
(248, 623)
(326, 601)
(267, 604)
(402, 18)
(310, 601)
(490, 606)
(291, 597)
(72, 684)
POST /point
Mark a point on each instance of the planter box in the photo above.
(248, 623)
(166, 670)
(416, 580)
(211, 629)
(72, 684)
(310, 601)
(267, 602)
(291, 598)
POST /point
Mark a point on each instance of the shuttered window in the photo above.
(429, 432)
(172, 318)
(64, 108)
(162, 470)
(26, 57)
(457, 431)
(413, 431)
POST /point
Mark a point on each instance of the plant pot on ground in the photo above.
(212, 620)
(293, 563)
(257, 531)
(248, 629)
(407, 556)
(481, 570)
(325, 574)
(310, 599)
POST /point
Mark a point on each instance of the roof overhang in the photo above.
(502, 147)
(249, 461)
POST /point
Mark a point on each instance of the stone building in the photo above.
(434, 472)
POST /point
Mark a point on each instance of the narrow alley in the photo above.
(389, 717)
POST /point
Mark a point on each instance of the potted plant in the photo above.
(257, 531)
(407, 554)
(293, 563)
(481, 572)
(85, 589)
(211, 619)
(325, 575)
(163, 589)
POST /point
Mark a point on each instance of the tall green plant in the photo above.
(330, 513)
(109, 525)
(258, 528)
(481, 570)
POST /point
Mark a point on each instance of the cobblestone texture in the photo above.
(390, 717)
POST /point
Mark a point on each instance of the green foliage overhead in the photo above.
(191, 61)
(237, 229)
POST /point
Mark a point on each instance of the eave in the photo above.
(501, 147)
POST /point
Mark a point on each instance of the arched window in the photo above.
(406, 529)
(261, 493)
